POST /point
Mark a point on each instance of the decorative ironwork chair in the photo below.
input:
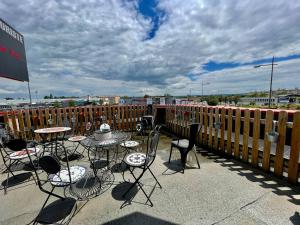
(143, 161)
(14, 152)
(76, 139)
(185, 146)
(57, 177)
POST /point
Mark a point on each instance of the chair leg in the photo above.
(154, 177)
(194, 150)
(140, 185)
(47, 199)
(183, 160)
(136, 181)
(170, 153)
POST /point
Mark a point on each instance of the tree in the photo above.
(56, 104)
(72, 103)
(51, 96)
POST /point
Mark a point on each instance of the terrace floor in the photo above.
(223, 191)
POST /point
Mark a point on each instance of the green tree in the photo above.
(56, 104)
(72, 103)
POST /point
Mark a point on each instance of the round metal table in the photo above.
(101, 178)
(53, 132)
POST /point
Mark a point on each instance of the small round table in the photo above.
(101, 177)
(52, 131)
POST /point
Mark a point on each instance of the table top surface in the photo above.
(106, 139)
(51, 130)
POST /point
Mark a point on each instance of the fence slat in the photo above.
(41, 118)
(267, 144)
(216, 138)
(229, 132)
(35, 119)
(211, 121)
(255, 139)
(205, 125)
(246, 135)
(21, 124)
(14, 124)
(59, 119)
(282, 119)
(222, 136)
(294, 154)
(237, 133)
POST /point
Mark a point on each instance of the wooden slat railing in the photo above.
(21, 121)
(242, 135)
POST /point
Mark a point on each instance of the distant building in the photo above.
(257, 101)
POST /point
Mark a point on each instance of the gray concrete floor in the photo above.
(222, 191)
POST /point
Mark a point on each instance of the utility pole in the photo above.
(271, 80)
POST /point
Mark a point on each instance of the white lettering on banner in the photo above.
(11, 32)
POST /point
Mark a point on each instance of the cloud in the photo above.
(101, 47)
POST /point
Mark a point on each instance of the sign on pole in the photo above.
(13, 63)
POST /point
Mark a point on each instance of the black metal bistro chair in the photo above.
(14, 152)
(185, 146)
(57, 177)
(76, 139)
(143, 161)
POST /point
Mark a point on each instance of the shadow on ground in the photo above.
(265, 180)
(139, 218)
(57, 211)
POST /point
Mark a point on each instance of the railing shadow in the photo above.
(265, 180)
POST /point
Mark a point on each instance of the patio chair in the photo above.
(143, 161)
(14, 152)
(185, 146)
(76, 139)
(57, 177)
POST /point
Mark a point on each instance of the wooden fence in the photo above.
(121, 117)
(241, 133)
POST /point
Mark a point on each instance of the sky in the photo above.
(138, 47)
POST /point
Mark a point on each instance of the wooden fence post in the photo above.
(294, 154)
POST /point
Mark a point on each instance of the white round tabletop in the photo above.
(52, 130)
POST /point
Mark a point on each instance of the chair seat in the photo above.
(62, 177)
(183, 143)
(129, 144)
(135, 159)
(23, 153)
(76, 138)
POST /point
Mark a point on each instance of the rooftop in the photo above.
(222, 191)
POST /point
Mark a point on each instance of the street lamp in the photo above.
(271, 80)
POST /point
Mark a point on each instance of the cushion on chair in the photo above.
(62, 177)
(130, 144)
(184, 143)
(135, 159)
(23, 153)
(76, 138)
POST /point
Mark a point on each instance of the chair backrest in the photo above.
(152, 144)
(49, 164)
(16, 144)
(194, 129)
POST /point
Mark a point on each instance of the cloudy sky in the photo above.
(137, 47)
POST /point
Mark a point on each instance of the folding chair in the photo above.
(14, 152)
(76, 139)
(185, 146)
(57, 177)
(143, 161)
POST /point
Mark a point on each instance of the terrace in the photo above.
(248, 180)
